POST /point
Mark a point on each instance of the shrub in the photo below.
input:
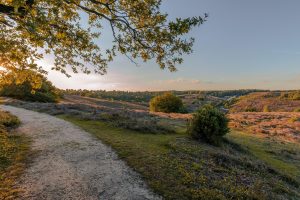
(296, 95)
(168, 103)
(208, 124)
(266, 108)
(8, 120)
(250, 109)
(294, 119)
(24, 91)
(297, 110)
(284, 95)
(292, 95)
(228, 103)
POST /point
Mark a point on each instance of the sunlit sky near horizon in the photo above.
(244, 44)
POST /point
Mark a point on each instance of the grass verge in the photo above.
(282, 156)
(177, 167)
(13, 152)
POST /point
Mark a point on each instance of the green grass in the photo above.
(283, 156)
(177, 167)
(13, 152)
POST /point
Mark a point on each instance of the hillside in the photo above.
(283, 125)
(171, 161)
(271, 114)
(260, 144)
(192, 99)
(265, 102)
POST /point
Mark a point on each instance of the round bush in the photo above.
(168, 103)
(208, 124)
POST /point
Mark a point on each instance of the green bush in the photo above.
(167, 102)
(296, 95)
(208, 124)
(24, 91)
(250, 109)
(294, 119)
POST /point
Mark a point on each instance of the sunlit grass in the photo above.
(177, 167)
(283, 156)
(13, 152)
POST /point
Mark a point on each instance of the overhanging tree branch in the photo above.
(138, 27)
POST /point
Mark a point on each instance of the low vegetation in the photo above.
(116, 114)
(13, 151)
(266, 102)
(230, 93)
(297, 110)
(292, 95)
(170, 160)
(284, 126)
(281, 155)
(167, 103)
(173, 162)
(208, 124)
(7, 120)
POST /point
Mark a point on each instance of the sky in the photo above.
(244, 44)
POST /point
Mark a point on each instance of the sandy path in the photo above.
(71, 164)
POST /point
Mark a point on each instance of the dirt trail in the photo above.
(71, 164)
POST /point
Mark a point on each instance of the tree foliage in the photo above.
(208, 124)
(167, 102)
(10, 87)
(69, 30)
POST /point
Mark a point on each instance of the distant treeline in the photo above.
(227, 93)
(114, 95)
(147, 95)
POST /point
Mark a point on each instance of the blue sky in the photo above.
(244, 44)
